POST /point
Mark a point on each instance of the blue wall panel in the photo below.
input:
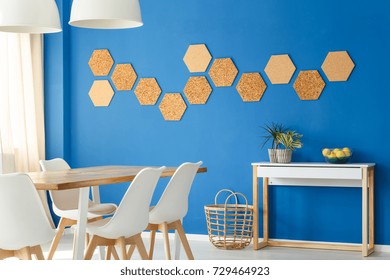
(226, 132)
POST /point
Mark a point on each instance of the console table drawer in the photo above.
(346, 173)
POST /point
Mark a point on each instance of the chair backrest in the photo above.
(23, 219)
(173, 203)
(132, 215)
(66, 199)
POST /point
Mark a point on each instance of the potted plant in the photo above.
(290, 140)
(272, 130)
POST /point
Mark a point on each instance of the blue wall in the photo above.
(225, 133)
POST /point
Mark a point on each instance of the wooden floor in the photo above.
(204, 250)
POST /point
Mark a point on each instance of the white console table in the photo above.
(322, 175)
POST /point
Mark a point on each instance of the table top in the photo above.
(90, 176)
(314, 164)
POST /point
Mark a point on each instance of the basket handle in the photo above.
(235, 195)
(225, 190)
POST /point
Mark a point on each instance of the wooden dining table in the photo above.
(83, 179)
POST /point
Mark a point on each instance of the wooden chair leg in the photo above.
(108, 253)
(122, 245)
(151, 245)
(24, 253)
(184, 240)
(130, 251)
(114, 253)
(141, 247)
(61, 228)
(87, 237)
(4, 254)
(37, 251)
(93, 243)
(55, 242)
(164, 230)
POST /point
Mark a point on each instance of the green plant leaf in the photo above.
(291, 140)
(272, 131)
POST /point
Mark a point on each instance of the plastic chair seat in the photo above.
(94, 210)
(97, 228)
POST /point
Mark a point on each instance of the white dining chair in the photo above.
(65, 204)
(129, 221)
(24, 223)
(171, 208)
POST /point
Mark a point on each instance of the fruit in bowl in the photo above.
(337, 155)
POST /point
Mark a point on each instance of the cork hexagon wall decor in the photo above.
(251, 87)
(197, 90)
(280, 69)
(147, 91)
(223, 72)
(309, 85)
(101, 62)
(337, 66)
(197, 58)
(101, 93)
(124, 76)
(172, 106)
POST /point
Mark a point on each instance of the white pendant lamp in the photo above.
(106, 14)
(29, 16)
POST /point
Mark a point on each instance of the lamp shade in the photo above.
(106, 14)
(31, 16)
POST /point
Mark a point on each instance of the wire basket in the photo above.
(229, 225)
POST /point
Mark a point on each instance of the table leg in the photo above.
(371, 208)
(265, 210)
(79, 246)
(364, 212)
(255, 210)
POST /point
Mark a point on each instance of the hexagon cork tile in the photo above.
(101, 62)
(309, 85)
(197, 58)
(338, 66)
(147, 91)
(280, 69)
(251, 87)
(197, 90)
(172, 106)
(101, 93)
(124, 76)
(223, 72)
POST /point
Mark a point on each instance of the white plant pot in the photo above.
(272, 155)
(283, 155)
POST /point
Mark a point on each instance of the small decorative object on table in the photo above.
(272, 130)
(337, 155)
(280, 135)
(229, 225)
(290, 140)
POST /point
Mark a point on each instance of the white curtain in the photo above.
(21, 101)
(22, 136)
